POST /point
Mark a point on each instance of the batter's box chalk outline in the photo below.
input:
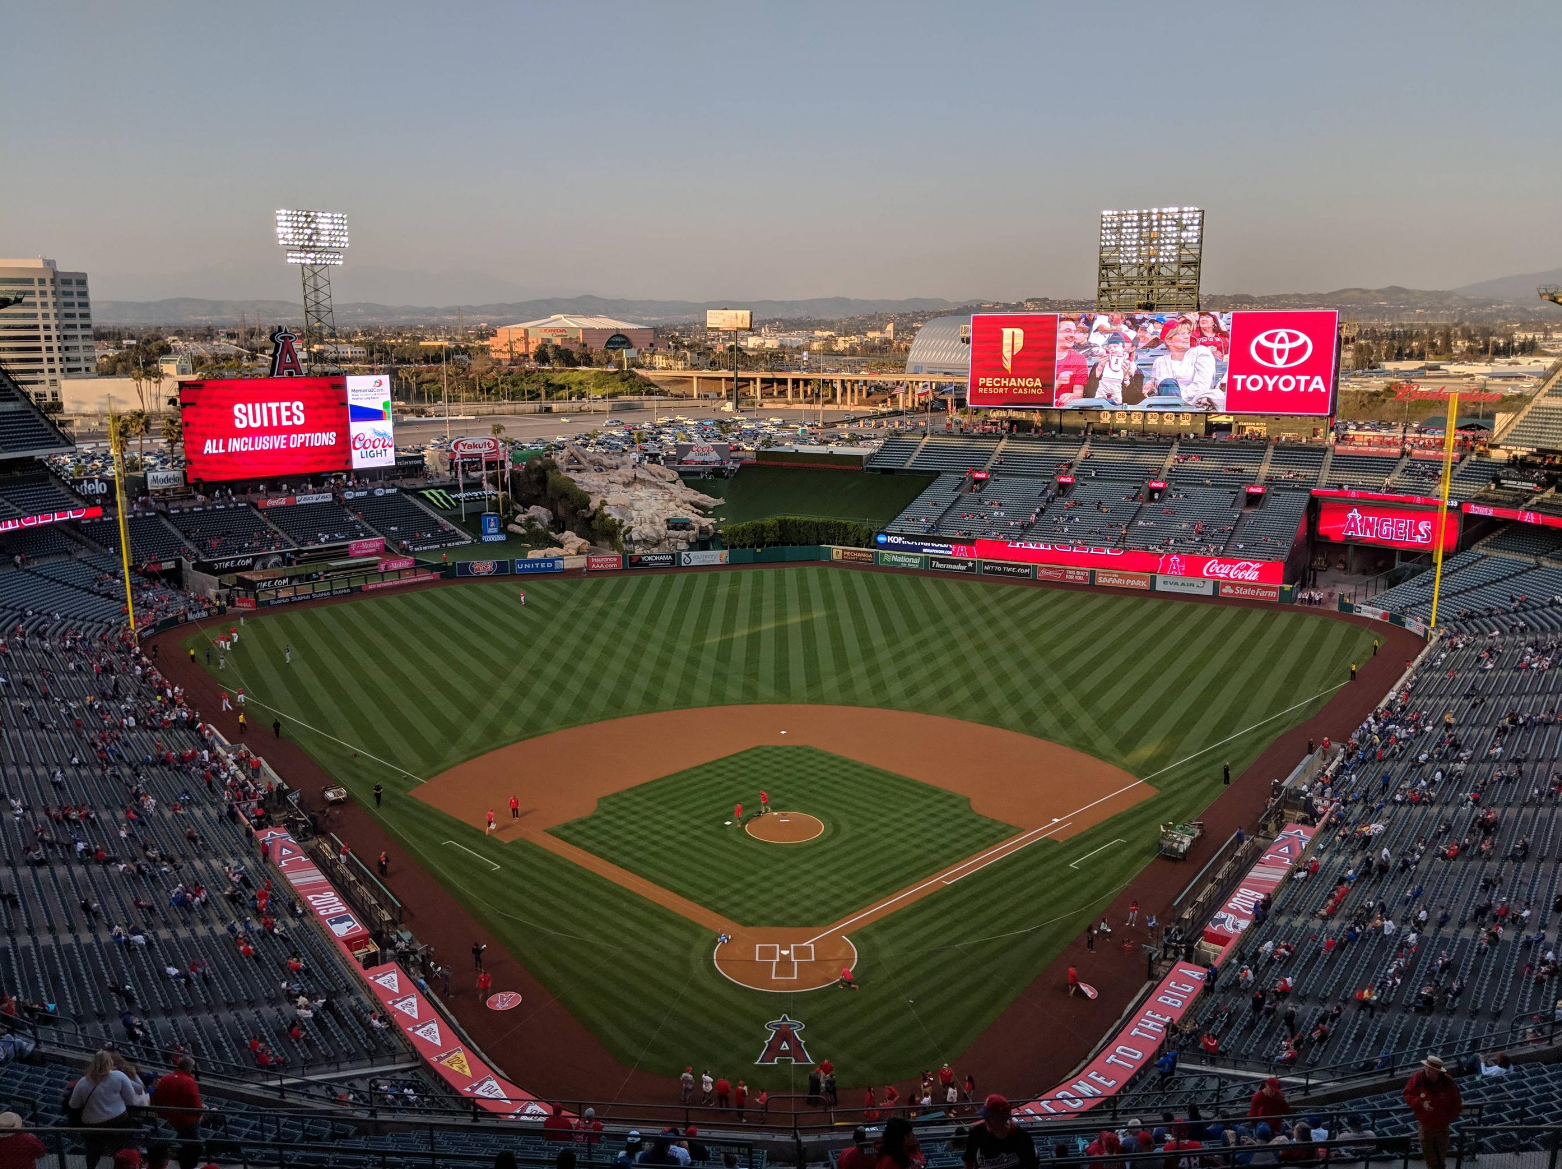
(767, 952)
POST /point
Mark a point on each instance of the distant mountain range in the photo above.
(1508, 298)
(190, 311)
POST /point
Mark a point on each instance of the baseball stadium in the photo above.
(1116, 742)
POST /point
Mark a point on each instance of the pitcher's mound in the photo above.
(785, 827)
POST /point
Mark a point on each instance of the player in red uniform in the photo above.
(515, 808)
(490, 827)
(764, 802)
(737, 813)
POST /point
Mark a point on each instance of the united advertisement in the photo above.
(1246, 362)
(371, 431)
(247, 428)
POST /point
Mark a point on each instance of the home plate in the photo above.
(786, 951)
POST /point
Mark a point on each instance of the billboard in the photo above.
(39, 519)
(371, 430)
(1246, 362)
(1362, 522)
(732, 320)
(249, 428)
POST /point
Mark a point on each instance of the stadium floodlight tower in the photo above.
(315, 241)
(1149, 260)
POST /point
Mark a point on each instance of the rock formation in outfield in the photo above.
(643, 498)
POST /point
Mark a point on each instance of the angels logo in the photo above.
(284, 356)
(389, 981)
(785, 1043)
(428, 1032)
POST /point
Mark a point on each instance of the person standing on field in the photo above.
(1434, 1098)
(515, 808)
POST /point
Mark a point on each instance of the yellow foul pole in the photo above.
(116, 444)
(1442, 512)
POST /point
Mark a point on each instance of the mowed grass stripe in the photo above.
(1010, 656)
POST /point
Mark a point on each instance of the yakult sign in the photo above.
(1353, 522)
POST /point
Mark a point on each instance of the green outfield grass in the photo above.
(401, 687)
(881, 833)
(757, 493)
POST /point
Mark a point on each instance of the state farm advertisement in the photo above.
(1129, 560)
(249, 428)
(1413, 530)
(1238, 363)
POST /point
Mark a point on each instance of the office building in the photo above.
(48, 336)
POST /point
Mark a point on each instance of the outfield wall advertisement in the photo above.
(1246, 362)
(1219, 568)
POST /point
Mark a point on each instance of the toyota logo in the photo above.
(1281, 348)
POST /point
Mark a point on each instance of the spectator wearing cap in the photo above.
(999, 1143)
(1434, 1098)
(18, 1149)
(897, 1148)
(556, 1126)
(1269, 1100)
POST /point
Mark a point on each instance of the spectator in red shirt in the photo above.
(556, 1127)
(177, 1098)
(589, 1127)
(1434, 1098)
(18, 1149)
(723, 1093)
(1269, 1100)
(484, 982)
(896, 1149)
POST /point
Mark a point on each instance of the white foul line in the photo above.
(478, 855)
(1014, 845)
(1093, 851)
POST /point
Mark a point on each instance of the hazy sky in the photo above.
(779, 149)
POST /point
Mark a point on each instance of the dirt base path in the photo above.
(1049, 791)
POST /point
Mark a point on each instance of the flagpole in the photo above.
(1444, 485)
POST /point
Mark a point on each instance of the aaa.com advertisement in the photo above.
(1124, 562)
(1414, 530)
(1246, 362)
(246, 428)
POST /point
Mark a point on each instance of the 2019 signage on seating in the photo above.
(1246, 362)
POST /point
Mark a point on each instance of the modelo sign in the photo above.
(475, 448)
(247, 428)
(1221, 568)
(1235, 363)
(1413, 530)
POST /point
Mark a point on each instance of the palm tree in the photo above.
(172, 431)
(136, 427)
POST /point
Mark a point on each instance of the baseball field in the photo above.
(960, 774)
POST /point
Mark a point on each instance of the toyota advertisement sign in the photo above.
(371, 431)
(1245, 362)
(247, 428)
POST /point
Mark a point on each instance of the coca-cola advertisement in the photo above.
(1361, 522)
(1220, 568)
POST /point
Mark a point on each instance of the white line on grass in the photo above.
(478, 855)
(1010, 847)
(1093, 851)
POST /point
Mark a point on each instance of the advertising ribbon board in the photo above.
(1263, 878)
(432, 1036)
(1249, 592)
(1127, 1052)
(1066, 575)
(1132, 560)
(902, 560)
(890, 542)
(1352, 522)
(396, 563)
(64, 516)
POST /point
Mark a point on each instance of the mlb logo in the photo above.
(342, 924)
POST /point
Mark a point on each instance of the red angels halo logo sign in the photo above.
(785, 1043)
(505, 1000)
(1282, 362)
(284, 357)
